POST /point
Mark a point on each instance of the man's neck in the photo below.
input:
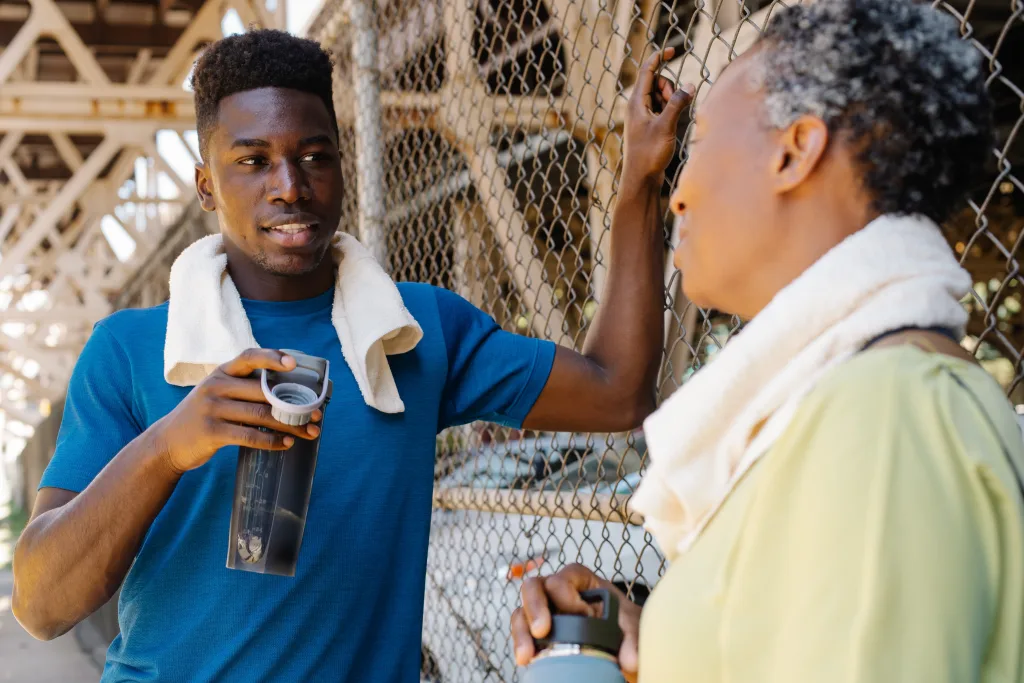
(253, 282)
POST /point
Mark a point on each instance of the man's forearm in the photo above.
(71, 559)
(626, 335)
(610, 386)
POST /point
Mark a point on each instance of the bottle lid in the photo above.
(601, 633)
(295, 394)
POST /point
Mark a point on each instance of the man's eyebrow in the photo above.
(249, 142)
(316, 140)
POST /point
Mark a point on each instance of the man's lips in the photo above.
(292, 231)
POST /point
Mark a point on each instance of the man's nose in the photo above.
(288, 184)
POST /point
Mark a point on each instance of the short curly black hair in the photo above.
(894, 78)
(264, 58)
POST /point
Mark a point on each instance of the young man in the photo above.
(139, 489)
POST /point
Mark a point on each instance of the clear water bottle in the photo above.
(580, 648)
(272, 488)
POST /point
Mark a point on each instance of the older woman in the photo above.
(839, 494)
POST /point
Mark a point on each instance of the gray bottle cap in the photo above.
(292, 400)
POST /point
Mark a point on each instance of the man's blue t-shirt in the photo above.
(353, 610)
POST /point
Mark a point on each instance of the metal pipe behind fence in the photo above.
(368, 133)
(566, 505)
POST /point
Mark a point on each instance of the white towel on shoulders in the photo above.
(895, 272)
(207, 325)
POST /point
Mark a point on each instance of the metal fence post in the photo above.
(369, 138)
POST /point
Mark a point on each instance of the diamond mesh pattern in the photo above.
(502, 129)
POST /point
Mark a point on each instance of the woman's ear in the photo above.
(801, 148)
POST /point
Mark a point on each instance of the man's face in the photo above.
(272, 173)
(724, 198)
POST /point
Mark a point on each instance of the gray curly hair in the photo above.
(895, 79)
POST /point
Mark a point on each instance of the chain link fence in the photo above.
(496, 130)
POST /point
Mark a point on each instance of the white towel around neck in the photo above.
(207, 325)
(895, 272)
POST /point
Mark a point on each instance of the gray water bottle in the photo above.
(272, 488)
(580, 648)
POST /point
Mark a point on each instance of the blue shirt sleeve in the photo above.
(493, 375)
(98, 417)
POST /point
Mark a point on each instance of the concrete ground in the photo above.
(24, 659)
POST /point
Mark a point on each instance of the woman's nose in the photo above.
(676, 203)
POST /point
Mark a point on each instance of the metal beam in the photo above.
(248, 13)
(79, 107)
(67, 315)
(134, 113)
(47, 219)
(564, 505)
(160, 164)
(511, 52)
(10, 168)
(205, 27)
(98, 203)
(102, 93)
(470, 135)
(7, 221)
(30, 65)
(599, 43)
(54, 23)
(41, 191)
(280, 15)
(66, 149)
(19, 46)
(188, 148)
(16, 177)
(420, 27)
(8, 145)
(728, 12)
(138, 67)
(102, 34)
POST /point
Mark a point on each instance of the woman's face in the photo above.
(725, 198)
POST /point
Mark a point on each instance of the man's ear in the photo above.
(204, 188)
(801, 148)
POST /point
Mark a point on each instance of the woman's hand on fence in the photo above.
(533, 619)
(652, 118)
